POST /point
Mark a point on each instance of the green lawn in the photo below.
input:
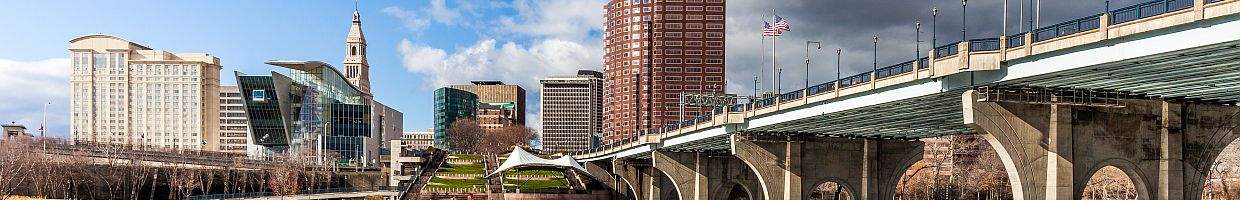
(534, 184)
(456, 183)
(463, 169)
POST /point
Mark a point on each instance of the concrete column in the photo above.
(777, 165)
(632, 176)
(1171, 153)
(1059, 153)
(1016, 131)
(685, 171)
(869, 170)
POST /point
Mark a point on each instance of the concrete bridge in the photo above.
(1149, 89)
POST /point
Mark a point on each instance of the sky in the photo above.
(418, 46)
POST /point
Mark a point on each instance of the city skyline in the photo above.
(415, 44)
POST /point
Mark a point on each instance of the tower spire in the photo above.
(356, 69)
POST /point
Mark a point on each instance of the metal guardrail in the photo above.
(1213, 1)
(1148, 9)
(855, 80)
(820, 88)
(923, 63)
(946, 50)
(904, 67)
(1016, 40)
(1067, 28)
(794, 95)
(987, 44)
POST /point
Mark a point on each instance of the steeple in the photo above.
(356, 69)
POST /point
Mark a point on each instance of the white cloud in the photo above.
(407, 18)
(441, 13)
(543, 38)
(28, 85)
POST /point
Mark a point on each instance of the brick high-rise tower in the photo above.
(654, 50)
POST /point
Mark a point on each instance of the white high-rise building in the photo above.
(126, 93)
(572, 112)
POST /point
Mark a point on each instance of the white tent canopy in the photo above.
(521, 158)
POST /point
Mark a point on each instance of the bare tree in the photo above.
(499, 141)
(464, 135)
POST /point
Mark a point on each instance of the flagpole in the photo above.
(774, 64)
(43, 124)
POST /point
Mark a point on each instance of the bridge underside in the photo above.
(1204, 74)
(920, 117)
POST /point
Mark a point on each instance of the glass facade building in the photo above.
(313, 106)
(452, 104)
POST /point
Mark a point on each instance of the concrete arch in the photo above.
(1130, 171)
(727, 189)
(675, 189)
(845, 186)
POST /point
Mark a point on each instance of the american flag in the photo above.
(768, 30)
(781, 25)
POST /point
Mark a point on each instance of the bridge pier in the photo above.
(792, 167)
(685, 172)
(1052, 150)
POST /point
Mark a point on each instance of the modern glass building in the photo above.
(314, 106)
(452, 104)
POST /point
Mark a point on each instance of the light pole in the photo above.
(838, 52)
(322, 137)
(917, 41)
(934, 27)
(807, 43)
(875, 76)
(964, 24)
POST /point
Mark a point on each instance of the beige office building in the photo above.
(234, 123)
(126, 93)
(572, 111)
(418, 139)
(499, 94)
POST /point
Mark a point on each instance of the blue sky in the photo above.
(417, 46)
(243, 34)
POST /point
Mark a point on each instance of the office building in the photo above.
(572, 111)
(126, 93)
(312, 107)
(452, 104)
(234, 124)
(418, 139)
(496, 116)
(654, 51)
(496, 92)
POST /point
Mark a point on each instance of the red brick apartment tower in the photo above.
(653, 51)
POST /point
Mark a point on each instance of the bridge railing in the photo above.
(950, 49)
(987, 44)
(1068, 28)
(1016, 40)
(1148, 9)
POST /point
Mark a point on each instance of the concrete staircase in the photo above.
(432, 165)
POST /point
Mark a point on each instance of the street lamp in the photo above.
(934, 27)
(964, 24)
(807, 43)
(917, 40)
(838, 52)
(874, 77)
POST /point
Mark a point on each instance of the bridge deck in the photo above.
(1145, 54)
